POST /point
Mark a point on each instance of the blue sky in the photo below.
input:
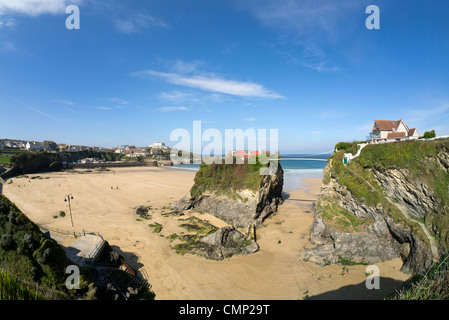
(136, 70)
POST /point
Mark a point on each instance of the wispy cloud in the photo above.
(304, 28)
(8, 46)
(166, 109)
(35, 7)
(428, 118)
(7, 22)
(102, 108)
(134, 23)
(118, 101)
(213, 83)
(316, 132)
(250, 119)
(300, 17)
(33, 109)
(192, 97)
(436, 112)
(67, 102)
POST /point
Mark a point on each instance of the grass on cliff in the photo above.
(227, 179)
(419, 158)
(363, 186)
(431, 285)
(26, 252)
(12, 289)
(340, 218)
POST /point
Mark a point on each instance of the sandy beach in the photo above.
(106, 201)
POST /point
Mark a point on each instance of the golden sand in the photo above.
(105, 202)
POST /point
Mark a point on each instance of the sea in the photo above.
(296, 167)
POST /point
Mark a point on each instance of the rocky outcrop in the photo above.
(383, 237)
(247, 208)
(225, 242)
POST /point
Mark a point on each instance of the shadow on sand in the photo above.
(131, 258)
(360, 292)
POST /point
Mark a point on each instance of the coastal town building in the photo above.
(158, 145)
(33, 146)
(243, 154)
(134, 153)
(391, 131)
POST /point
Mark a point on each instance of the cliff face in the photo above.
(248, 204)
(390, 202)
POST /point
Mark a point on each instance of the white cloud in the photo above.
(118, 101)
(305, 27)
(316, 132)
(426, 113)
(250, 119)
(138, 22)
(7, 22)
(35, 7)
(185, 67)
(191, 97)
(165, 109)
(33, 108)
(67, 102)
(213, 83)
(8, 46)
(177, 96)
(103, 108)
(303, 17)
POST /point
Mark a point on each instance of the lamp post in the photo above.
(69, 197)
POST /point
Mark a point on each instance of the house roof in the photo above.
(411, 132)
(396, 135)
(387, 125)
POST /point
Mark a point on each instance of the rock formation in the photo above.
(246, 207)
(370, 213)
(225, 242)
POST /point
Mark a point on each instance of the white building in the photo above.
(391, 131)
(158, 145)
(33, 146)
(134, 153)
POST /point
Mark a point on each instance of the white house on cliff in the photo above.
(391, 131)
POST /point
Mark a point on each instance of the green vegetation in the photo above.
(339, 218)
(198, 226)
(157, 227)
(348, 147)
(12, 288)
(8, 153)
(26, 252)
(71, 157)
(143, 212)
(429, 134)
(227, 179)
(431, 285)
(359, 180)
(33, 162)
(348, 262)
(197, 229)
(419, 158)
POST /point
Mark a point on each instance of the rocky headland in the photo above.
(239, 195)
(392, 201)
